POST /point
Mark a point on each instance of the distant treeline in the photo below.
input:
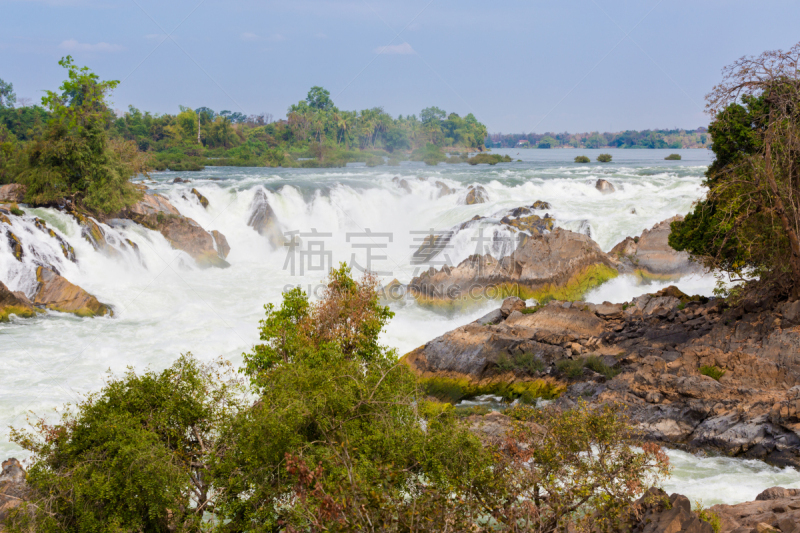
(626, 139)
(315, 133)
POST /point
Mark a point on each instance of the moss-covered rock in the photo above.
(58, 294)
(15, 303)
(203, 200)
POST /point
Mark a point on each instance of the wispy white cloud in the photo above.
(73, 45)
(250, 37)
(398, 49)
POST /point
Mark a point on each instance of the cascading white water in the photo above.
(164, 305)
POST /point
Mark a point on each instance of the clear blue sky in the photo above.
(560, 65)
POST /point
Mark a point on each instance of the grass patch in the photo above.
(524, 363)
(15, 210)
(573, 368)
(453, 390)
(712, 371)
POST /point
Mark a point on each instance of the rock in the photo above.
(476, 195)
(263, 219)
(560, 262)
(432, 245)
(13, 192)
(608, 310)
(604, 186)
(155, 212)
(13, 488)
(491, 318)
(512, 304)
(651, 257)
(777, 493)
(181, 180)
(540, 205)
(15, 303)
(66, 248)
(444, 190)
(94, 233)
(58, 294)
(203, 200)
(403, 184)
(222, 246)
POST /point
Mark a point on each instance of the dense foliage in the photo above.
(626, 139)
(73, 156)
(333, 434)
(749, 222)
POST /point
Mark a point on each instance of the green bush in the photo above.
(673, 157)
(604, 158)
(488, 159)
(582, 159)
(573, 368)
(712, 371)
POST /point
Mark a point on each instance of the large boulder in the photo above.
(15, 303)
(263, 219)
(651, 257)
(58, 294)
(560, 264)
(155, 212)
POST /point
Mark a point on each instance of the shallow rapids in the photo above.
(164, 305)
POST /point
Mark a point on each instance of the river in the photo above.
(164, 305)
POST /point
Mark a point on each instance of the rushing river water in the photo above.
(165, 306)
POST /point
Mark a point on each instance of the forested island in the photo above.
(674, 139)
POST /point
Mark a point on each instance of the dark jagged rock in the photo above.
(263, 219)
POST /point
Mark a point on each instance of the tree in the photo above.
(431, 114)
(320, 99)
(75, 157)
(132, 457)
(7, 96)
(748, 223)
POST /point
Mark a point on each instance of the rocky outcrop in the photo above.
(775, 509)
(691, 373)
(560, 263)
(444, 190)
(57, 294)
(13, 193)
(15, 303)
(155, 212)
(604, 186)
(13, 489)
(656, 512)
(263, 219)
(476, 195)
(221, 244)
(651, 257)
(402, 183)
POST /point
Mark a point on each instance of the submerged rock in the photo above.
(651, 257)
(604, 186)
(203, 200)
(58, 294)
(222, 246)
(263, 219)
(15, 303)
(476, 195)
(444, 190)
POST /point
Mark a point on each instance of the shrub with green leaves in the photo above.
(673, 157)
(604, 158)
(582, 159)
